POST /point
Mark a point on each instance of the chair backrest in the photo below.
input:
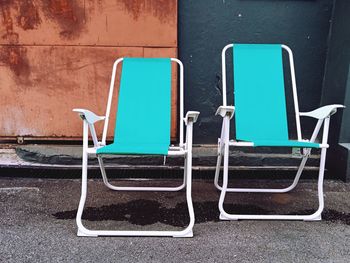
(259, 92)
(144, 104)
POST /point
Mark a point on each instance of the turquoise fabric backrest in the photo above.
(260, 104)
(144, 106)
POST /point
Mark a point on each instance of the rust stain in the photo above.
(68, 14)
(161, 9)
(10, 36)
(27, 14)
(28, 17)
(15, 57)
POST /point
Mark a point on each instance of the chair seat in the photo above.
(134, 149)
(286, 143)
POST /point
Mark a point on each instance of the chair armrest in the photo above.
(191, 116)
(89, 116)
(322, 112)
(225, 110)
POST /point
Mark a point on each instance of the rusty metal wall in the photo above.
(56, 55)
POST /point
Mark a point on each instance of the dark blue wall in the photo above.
(336, 86)
(336, 89)
(206, 26)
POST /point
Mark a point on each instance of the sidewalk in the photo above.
(37, 224)
(56, 160)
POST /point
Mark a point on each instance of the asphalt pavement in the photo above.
(37, 223)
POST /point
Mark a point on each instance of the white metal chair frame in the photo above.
(184, 149)
(227, 112)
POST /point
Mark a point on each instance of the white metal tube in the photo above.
(279, 190)
(325, 130)
(103, 171)
(314, 216)
(93, 134)
(220, 152)
(84, 178)
(295, 92)
(181, 136)
(187, 232)
(134, 233)
(223, 64)
(217, 172)
(317, 214)
(322, 166)
(135, 188)
(145, 189)
(225, 172)
(110, 98)
(188, 174)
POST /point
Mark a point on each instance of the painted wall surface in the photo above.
(336, 81)
(206, 26)
(336, 89)
(56, 55)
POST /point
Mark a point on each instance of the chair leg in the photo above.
(220, 152)
(225, 171)
(262, 190)
(224, 183)
(187, 232)
(217, 172)
(312, 217)
(297, 176)
(136, 188)
(83, 231)
(317, 215)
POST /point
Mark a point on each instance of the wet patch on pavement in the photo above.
(146, 212)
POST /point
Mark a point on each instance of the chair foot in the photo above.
(188, 234)
(223, 217)
(81, 234)
(316, 218)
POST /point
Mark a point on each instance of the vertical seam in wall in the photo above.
(327, 52)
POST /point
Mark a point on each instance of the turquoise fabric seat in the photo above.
(287, 143)
(144, 108)
(260, 105)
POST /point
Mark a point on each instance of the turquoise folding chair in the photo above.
(261, 119)
(142, 128)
